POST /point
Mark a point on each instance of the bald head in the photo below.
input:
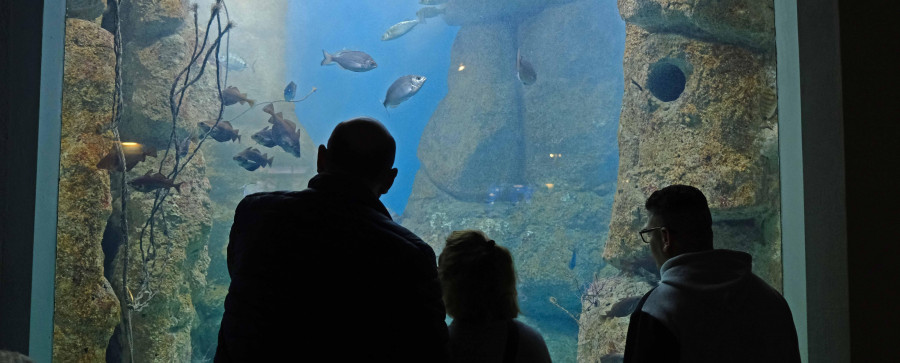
(362, 147)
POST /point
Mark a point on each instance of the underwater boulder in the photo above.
(748, 23)
(148, 73)
(570, 115)
(86, 307)
(474, 139)
(176, 265)
(145, 21)
(85, 9)
(718, 133)
(467, 12)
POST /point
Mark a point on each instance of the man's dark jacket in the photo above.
(325, 272)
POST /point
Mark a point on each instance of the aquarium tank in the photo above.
(545, 124)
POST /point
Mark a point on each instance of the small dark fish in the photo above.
(428, 12)
(636, 84)
(402, 89)
(351, 60)
(432, 2)
(232, 95)
(624, 307)
(251, 159)
(133, 155)
(184, 146)
(264, 137)
(572, 261)
(222, 132)
(399, 29)
(150, 182)
(290, 91)
(525, 71)
(283, 131)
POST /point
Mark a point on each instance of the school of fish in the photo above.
(283, 132)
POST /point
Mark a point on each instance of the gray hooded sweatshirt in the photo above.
(710, 307)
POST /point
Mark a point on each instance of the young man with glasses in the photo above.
(709, 306)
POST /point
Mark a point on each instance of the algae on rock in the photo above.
(87, 309)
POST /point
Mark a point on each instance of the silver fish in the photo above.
(234, 62)
(432, 2)
(350, 60)
(524, 70)
(402, 89)
(399, 29)
(428, 12)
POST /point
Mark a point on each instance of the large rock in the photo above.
(748, 23)
(486, 153)
(148, 73)
(145, 21)
(602, 330)
(173, 262)
(85, 9)
(570, 113)
(87, 309)
(468, 12)
(718, 134)
(474, 138)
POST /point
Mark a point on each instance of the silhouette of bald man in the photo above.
(326, 272)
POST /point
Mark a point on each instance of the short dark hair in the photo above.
(684, 211)
(478, 278)
(362, 146)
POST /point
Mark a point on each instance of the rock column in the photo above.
(700, 109)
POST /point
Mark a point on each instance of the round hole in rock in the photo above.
(666, 81)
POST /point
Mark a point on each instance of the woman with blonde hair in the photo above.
(479, 285)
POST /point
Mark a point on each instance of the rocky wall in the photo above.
(87, 309)
(699, 108)
(166, 264)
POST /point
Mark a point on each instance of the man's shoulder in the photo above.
(273, 199)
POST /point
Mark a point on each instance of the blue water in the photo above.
(342, 94)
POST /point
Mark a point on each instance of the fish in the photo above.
(251, 159)
(233, 62)
(283, 131)
(133, 155)
(184, 146)
(402, 89)
(624, 307)
(232, 95)
(428, 12)
(264, 137)
(351, 60)
(432, 2)
(222, 132)
(150, 182)
(573, 260)
(399, 29)
(289, 91)
(637, 85)
(524, 70)
(768, 102)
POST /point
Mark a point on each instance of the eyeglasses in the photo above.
(645, 233)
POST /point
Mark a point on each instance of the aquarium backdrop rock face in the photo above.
(699, 108)
(629, 97)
